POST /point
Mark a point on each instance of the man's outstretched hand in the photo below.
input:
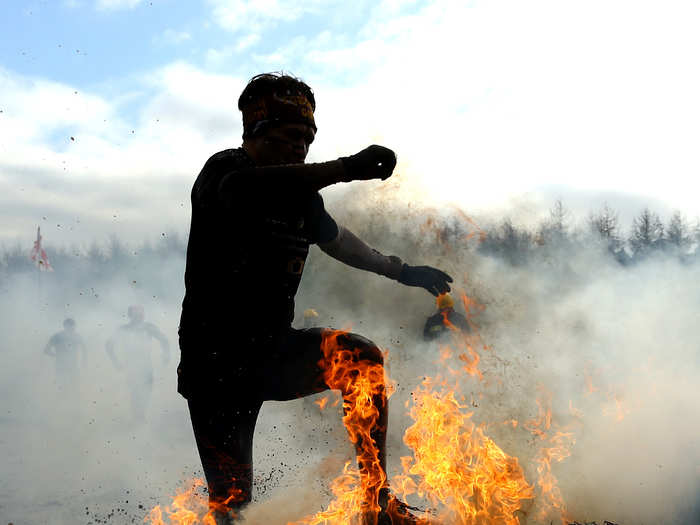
(432, 279)
(373, 162)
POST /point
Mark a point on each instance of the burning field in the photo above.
(570, 400)
(537, 415)
(455, 473)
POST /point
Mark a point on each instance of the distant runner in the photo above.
(445, 319)
(129, 348)
(65, 346)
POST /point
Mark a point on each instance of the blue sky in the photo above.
(497, 107)
(93, 45)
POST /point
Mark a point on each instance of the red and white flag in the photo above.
(38, 254)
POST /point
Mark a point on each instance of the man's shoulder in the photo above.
(151, 328)
(437, 316)
(75, 337)
(459, 320)
(219, 164)
(229, 159)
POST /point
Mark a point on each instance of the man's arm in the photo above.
(312, 176)
(164, 344)
(109, 347)
(428, 332)
(48, 349)
(374, 162)
(351, 250)
(83, 350)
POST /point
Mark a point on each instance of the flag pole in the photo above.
(41, 259)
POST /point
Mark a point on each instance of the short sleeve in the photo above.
(325, 227)
(205, 190)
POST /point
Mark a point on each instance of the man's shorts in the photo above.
(256, 368)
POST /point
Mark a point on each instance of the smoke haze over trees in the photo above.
(649, 235)
(580, 306)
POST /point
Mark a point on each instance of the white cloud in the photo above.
(247, 41)
(487, 101)
(255, 15)
(215, 57)
(114, 175)
(116, 4)
(484, 103)
(171, 36)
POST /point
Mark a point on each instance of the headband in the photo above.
(276, 108)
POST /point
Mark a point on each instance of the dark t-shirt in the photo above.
(435, 325)
(66, 345)
(245, 260)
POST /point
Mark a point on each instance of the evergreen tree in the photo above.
(606, 224)
(507, 242)
(555, 228)
(677, 232)
(647, 233)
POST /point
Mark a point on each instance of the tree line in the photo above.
(554, 236)
(649, 236)
(150, 266)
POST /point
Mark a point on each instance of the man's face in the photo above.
(282, 144)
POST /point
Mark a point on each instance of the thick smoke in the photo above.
(614, 343)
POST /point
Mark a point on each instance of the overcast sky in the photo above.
(109, 108)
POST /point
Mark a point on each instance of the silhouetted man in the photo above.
(444, 320)
(132, 342)
(255, 211)
(65, 346)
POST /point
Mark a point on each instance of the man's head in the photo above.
(278, 119)
(69, 324)
(135, 313)
(444, 301)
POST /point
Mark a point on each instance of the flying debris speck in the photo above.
(73, 139)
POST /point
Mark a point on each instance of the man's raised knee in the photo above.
(367, 349)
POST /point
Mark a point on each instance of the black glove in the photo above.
(374, 162)
(432, 279)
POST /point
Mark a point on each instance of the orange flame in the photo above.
(558, 448)
(620, 410)
(363, 383)
(190, 506)
(588, 377)
(456, 467)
